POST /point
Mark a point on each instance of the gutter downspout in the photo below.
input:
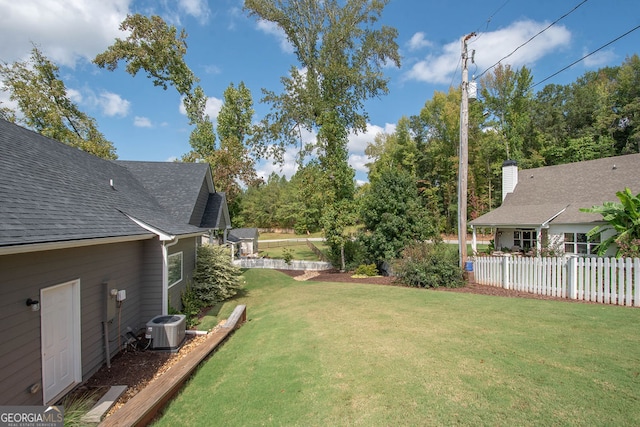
(165, 274)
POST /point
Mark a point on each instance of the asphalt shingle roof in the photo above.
(557, 193)
(51, 192)
(237, 234)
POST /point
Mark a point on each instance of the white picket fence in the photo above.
(602, 280)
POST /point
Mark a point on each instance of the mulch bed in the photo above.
(472, 288)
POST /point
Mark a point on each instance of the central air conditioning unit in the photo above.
(166, 332)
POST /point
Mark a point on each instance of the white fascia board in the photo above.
(161, 234)
(546, 223)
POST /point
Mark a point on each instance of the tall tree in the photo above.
(233, 165)
(437, 162)
(44, 105)
(507, 97)
(397, 150)
(341, 56)
(156, 47)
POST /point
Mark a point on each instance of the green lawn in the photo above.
(279, 236)
(318, 354)
(299, 250)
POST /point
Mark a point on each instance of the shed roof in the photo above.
(555, 194)
(237, 234)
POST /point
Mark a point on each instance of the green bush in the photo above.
(287, 255)
(215, 278)
(429, 265)
(191, 305)
(368, 270)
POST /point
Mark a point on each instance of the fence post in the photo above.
(572, 278)
(505, 272)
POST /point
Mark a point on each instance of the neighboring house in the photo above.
(74, 230)
(245, 240)
(541, 207)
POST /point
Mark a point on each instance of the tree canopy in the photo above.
(44, 105)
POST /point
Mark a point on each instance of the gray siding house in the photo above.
(541, 206)
(74, 231)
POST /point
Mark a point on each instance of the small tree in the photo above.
(624, 219)
(215, 278)
(393, 216)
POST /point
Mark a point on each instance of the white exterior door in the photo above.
(60, 337)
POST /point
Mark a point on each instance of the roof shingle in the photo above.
(558, 192)
(51, 192)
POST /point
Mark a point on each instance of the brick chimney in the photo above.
(509, 177)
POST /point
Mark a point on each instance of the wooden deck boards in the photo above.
(143, 407)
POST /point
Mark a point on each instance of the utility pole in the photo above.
(463, 156)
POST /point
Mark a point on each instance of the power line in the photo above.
(540, 32)
(489, 21)
(584, 57)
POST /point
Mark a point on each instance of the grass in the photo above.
(346, 354)
(299, 250)
(77, 406)
(278, 236)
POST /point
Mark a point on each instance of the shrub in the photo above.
(215, 278)
(287, 255)
(76, 406)
(191, 305)
(429, 265)
(368, 270)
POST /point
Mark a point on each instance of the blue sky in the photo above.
(227, 46)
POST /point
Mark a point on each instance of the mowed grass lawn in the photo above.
(318, 354)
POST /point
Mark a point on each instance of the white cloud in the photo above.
(211, 109)
(288, 168)
(6, 102)
(272, 29)
(358, 162)
(113, 105)
(74, 95)
(65, 30)
(197, 8)
(490, 48)
(357, 143)
(598, 59)
(142, 122)
(212, 69)
(356, 146)
(418, 41)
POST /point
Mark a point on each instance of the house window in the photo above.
(175, 268)
(525, 239)
(578, 243)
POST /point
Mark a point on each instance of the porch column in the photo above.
(474, 244)
(538, 240)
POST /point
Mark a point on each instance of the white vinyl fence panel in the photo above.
(603, 280)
